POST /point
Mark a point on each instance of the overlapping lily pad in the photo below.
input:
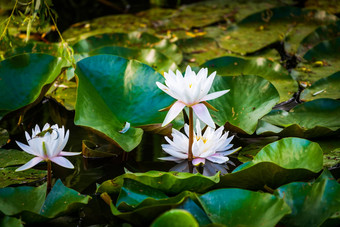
(249, 99)
(151, 57)
(167, 182)
(134, 40)
(324, 88)
(18, 202)
(311, 119)
(311, 203)
(322, 61)
(23, 77)
(8, 176)
(228, 206)
(273, 25)
(114, 90)
(278, 163)
(271, 71)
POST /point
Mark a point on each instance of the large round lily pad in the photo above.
(278, 163)
(311, 119)
(228, 206)
(112, 91)
(271, 71)
(175, 218)
(249, 99)
(23, 77)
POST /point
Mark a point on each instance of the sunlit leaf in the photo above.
(271, 71)
(175, 218)
(167, 182)
(311, 119)
(249, 99)
(278, 163)
(8, 176)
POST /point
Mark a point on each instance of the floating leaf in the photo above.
(271, 71)
(13, 157)
(199, 50)
(273, 25)
(249, 99)
(311, 203)
(323, 61)
(23, 77)
(324, 88)
(228, 206)
(65, 93)
(89, 152)
(175, 218)
(322, 33)
(150, 57)
(311, 119)
(18, 202)
(196, 211)
(167, 182)
(121, 91)
(8, 176)
(278, 163)
(332, 158)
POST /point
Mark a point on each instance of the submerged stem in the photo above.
(49, 178)
(191, 133)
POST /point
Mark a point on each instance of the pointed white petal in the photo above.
(66, 153)
(29, 164)
(218, 159)
(28, 137)
(203, 114)
(46, 126)
(176, 108)
(26, 148)
(214, 95)
(62, 162)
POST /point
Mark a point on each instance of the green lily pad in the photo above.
(133, 40)
(18, 202)
(323, 61)
(4, 136)
(13, 157)
(199, 50)
(271, 71)
(324, 88)
(89, 152)
(228, 206)
(322, 33)
(151, 57)
(106, 24)
(149, 209)
(311, 119)
(278, 163)
(167, 182)
(23, 77)
(273, 25)
(311, 203)
(8, 176)
(175, 218)
(122, 91)
(249, 99)
(10, 222)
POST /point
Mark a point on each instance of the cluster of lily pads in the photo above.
(281, 65)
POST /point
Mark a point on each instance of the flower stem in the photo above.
(191, 133)
(49, 178)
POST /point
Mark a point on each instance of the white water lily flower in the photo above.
(47, 145)
(212, 145)
(191, 91)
